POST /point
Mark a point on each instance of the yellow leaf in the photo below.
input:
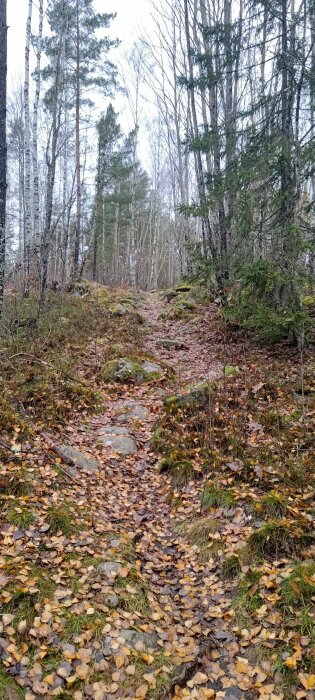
(148, 658)
(241, 665)
(142, 691)
(119, 660)
(290, 662)
(82, 671)
(90, 611)
(197, 679)
(307, 680)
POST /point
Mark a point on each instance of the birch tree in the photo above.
(3, 142)
(27, 156)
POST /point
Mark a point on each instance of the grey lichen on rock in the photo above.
(110, 568)
(122, 444)
(70, 454)
(125, 369)
(132, 410)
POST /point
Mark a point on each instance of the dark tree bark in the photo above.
(3, 141)
(77, 239)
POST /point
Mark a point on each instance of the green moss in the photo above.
(76, 623)
(299, 587)
(118, 310)
(20, 515)
(196, 398)
(308, 301)
(230, 371)
(9, 690)
(183, 288)
(126, 369)
(277, 538)
(272, 504)
(231, 566)
(247, 597)
(216, 497)
(61, 518)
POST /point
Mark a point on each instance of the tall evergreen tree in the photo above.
(85, 66)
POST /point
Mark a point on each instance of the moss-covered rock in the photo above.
(170, 294)
(183, 288)
(125, 369)
(231, 371)
(169, 343)
(102, 295)
(118, 310)
(197, 397)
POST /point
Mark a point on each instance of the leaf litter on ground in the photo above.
(128, 583)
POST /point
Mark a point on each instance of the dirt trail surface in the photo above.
(136, 502)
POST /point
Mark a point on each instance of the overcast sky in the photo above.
(131, 14)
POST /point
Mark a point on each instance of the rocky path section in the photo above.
(176, 623)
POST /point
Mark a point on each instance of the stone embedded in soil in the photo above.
(113, 430)
(122, 444)
(110, 567)
(124, 369)
(118, 310)
(132, 410)
(169, 343)
(197, 397)
(112, 601)
(151, 367)
(233, 693)
(70, 454)
(132, 640)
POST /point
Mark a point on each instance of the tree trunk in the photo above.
(37, 232)
(3, 142)
(77, 239)
(208, 236)
(27, 158)
(51, 159)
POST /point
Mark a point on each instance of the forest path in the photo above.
(122, 582)
(137, 501)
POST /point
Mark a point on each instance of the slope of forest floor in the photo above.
(157, 503)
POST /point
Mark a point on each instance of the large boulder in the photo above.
(125, 369)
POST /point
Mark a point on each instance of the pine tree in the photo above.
(86, 55)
